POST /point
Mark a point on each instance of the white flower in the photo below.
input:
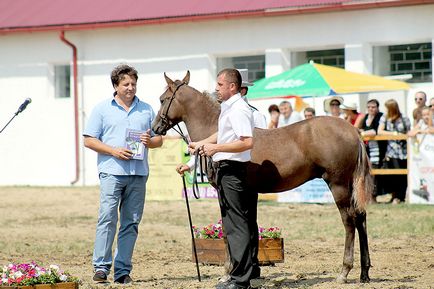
(54, 268)
(4, 281)
(63, 277)
(17, 274)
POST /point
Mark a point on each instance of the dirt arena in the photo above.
(57, 226)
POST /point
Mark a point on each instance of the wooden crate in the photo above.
(213, 252)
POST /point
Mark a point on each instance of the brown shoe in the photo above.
(100, 276)
(125, 279)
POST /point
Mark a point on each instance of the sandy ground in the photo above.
(57, 226)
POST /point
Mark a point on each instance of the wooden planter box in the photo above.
(213, 252)
(63, 285)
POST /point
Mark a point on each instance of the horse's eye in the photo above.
(161, 101)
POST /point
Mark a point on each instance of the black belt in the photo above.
(230, 163)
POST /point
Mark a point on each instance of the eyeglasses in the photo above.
(416, 99)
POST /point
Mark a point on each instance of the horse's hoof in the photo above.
(341, 279)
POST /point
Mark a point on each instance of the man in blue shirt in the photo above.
(122, 177)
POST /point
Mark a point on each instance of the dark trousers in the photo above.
(238, 206)
(395, 184)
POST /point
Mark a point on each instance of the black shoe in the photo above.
(100, 276)
(125, 279)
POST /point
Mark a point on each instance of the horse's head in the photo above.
(171, 110)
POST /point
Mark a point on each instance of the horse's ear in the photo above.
(170, 82)
(186, 79)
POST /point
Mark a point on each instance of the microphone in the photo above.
(23, 105)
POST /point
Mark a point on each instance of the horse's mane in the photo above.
(211, 100)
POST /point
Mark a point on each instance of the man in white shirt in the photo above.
(287, 114)
(230, 147)
(258, 119)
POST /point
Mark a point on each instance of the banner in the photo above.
(164, 182)
(314, 191)
(421, 170)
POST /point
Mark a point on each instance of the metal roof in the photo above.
(24, 15)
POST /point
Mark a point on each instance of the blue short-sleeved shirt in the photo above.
(108, 123)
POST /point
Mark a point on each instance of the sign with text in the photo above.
(421, 170)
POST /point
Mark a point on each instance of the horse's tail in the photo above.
(363, 184)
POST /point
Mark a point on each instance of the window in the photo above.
(62, 81)
(255, 64)
(334, 57)
(412, 59)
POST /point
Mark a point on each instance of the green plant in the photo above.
(215, 231)
(31, 274)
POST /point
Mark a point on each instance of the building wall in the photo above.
(37, 148)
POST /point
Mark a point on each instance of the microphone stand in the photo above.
(18, 111)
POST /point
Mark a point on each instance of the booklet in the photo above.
(134, 144)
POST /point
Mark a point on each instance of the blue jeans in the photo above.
(128, 194)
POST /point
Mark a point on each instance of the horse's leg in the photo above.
(348, 261)
(349, 223)
(365, 261)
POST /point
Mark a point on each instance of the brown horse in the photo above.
(284, 158)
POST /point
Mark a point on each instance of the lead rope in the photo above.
(198, 158)
(191, 229)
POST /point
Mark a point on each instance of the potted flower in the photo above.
(33, 276)
(210, 246)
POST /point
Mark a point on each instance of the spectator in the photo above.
(309, 112)
(394, 123)
(274, 116)
(287, 114)
(123, 179)
(423, 126)
(431, 106)
(375, 149)
(332, 106)
(369, 127)
(420, 100)
(352, 115)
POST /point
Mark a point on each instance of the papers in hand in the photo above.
(134, 144)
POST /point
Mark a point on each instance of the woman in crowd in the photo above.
(274, 116)
(394, 123)
(423, 126)
(352, 115)
(332, 106)
(375, 149)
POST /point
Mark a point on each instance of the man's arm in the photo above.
(243, 144)
(212, 139)
(100, 147)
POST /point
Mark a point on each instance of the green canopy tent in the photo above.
(312, 79)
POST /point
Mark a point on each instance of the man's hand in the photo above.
(208, 150)
(122, 153)
(180, 169)
(145, 138)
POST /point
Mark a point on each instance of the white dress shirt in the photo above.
(235, 121)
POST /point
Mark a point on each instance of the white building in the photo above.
(43, 145)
